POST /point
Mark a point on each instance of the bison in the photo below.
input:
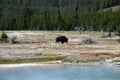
(61, 39)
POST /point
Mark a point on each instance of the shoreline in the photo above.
(23, 65)
(56, 63)
(30, 64)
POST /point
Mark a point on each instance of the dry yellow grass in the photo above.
(48, 47)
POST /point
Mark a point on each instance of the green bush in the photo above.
(118, 40)
(118, 33)
(4, 37)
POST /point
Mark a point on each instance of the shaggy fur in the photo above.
(61, 39)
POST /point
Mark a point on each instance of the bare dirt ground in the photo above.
(42, 43)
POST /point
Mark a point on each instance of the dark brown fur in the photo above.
(61, 39)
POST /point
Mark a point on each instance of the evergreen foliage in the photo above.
(4, 37)
(58, 15)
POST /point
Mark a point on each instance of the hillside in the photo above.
(58, 15)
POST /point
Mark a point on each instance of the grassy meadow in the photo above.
(40, 46)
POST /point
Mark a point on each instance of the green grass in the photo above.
(90, 60)
(31, 60)
(117, 60)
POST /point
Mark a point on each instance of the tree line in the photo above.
(58, 15)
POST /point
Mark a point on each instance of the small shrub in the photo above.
(118, 40)
(118, 31)
(4, 37)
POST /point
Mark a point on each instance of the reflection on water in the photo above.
(61, 73)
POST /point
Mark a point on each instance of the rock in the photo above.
(88, 41)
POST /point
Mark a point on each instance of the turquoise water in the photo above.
(61, 73)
